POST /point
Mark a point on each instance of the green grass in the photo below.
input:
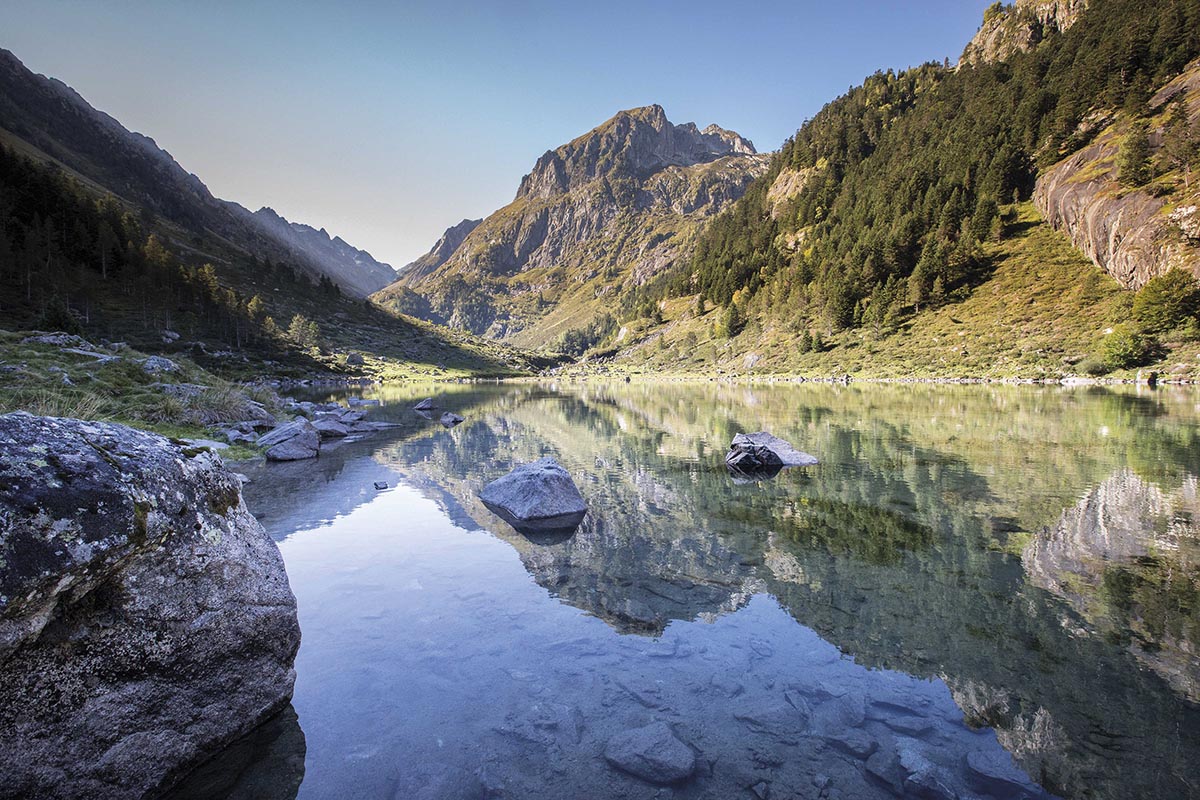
(122, 391)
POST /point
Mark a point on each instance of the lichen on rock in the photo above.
(145, 616)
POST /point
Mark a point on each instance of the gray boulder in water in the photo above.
(425, 405)
(751, 452)
(450, 419)
(145, 616)
(536, 497)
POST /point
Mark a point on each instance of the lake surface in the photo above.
(979, 592)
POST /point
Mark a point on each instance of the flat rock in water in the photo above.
(330, 428)
(450, 419)
(753, 451)
(536, 496)
(292, 441)
(652, 753)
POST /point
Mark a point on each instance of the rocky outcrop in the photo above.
(1129, 233)
(610, 209)
(637, 143)
(749, 452)
(1019, 27)
(292, 441)
(145, 616)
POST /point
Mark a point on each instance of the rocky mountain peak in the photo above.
(1011, 29)
(634, 143)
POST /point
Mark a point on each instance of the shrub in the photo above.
(1167, 301)
(1125, 348)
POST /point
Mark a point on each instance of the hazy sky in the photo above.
(387, 122)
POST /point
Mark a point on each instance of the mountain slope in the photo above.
(885, 205)
(46, 119)
(603, 213)
(354, 270)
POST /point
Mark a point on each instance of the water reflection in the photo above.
(1031, 551)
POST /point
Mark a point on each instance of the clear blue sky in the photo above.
(387, 122)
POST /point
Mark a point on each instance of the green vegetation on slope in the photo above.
(1042, 309)
(76, 260)
(76, 379)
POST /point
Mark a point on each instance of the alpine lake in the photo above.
(979, 592)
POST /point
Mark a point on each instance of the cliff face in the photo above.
(1129, 233)
(614, 206)
(441, 251)
(1019, 27)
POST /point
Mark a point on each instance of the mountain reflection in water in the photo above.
(970, 568)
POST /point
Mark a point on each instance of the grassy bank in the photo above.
(1041, 311)
(75, 378)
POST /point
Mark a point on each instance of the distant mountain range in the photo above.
(44, 118)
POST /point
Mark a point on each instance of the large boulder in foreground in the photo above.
(750, 452)
(145, 616)
(536, 497)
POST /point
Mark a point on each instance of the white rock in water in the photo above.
(788, 456)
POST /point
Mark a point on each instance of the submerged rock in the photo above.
(536, 497)
(145, 616)
(651, 753)
(450, 419)
(291, 441)
(750, 452)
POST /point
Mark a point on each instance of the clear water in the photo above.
(979, 592)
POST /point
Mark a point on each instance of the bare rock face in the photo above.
(145, 616)
(1021, 27)
(1126, 233)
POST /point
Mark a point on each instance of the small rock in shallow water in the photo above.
(425, 405)
(381, 485)
(652, 753)
(450, 419)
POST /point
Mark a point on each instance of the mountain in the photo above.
(354, 270)
(606, 212)
(908, 199)
(46, 119)
(441, 251)
(103, 234)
